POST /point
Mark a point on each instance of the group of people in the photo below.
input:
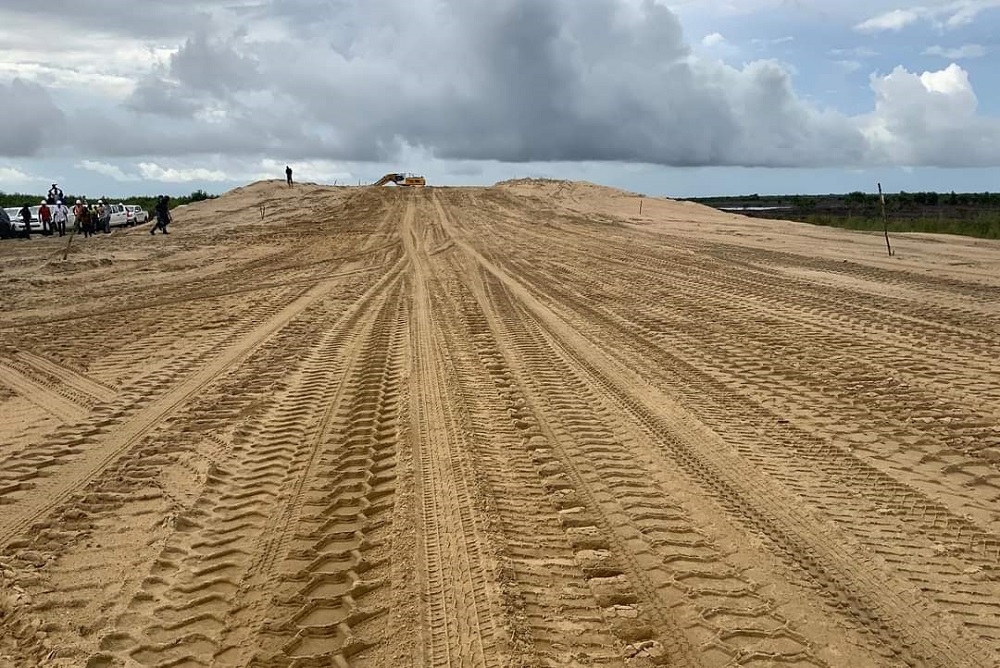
(91, 219)
(53, 214)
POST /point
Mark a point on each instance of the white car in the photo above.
(136, 214)
(18, 225)
(119, 217)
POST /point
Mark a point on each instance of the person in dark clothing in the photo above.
(288, 174)
(25, 214)
(5, 228)
(162, 211)
(55, 194)
(83, 220)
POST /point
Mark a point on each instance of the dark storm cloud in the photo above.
(506, 80)
(158, 96)
(526, 81)
(29, 119)
(214, 65)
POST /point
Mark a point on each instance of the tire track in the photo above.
(876, 599)
(916, 534)
(95, 391)
(158, 481)
(460, 628)
(23, 471)
(338, 562)
(693, 589)
(41, 391)
(207, 589)
(565, 625)
(100, 454)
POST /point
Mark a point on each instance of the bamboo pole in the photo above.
(72, 233)
(885, 219)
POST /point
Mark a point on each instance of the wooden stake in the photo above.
(885, 219)
(72, 233)
(640, 206)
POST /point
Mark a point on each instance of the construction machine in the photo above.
(402, 180)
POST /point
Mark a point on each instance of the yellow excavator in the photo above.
(402, 180)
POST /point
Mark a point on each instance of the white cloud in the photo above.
(950, 15)
(513, 81)
(929, 119)
(966, 11)
(713, 39)
(107, 170)
(895, 20)
(154, 172)
(15, 175)
(848, 65)
(858, 52)
(320, 171)
(957, 53)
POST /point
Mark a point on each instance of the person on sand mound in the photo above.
(288, 174)
(162, 211)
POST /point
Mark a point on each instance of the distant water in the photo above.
(754, 208)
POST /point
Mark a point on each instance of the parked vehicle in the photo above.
(18, 225)
(119, 217)
(136, 214)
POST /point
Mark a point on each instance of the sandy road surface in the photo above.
(508, 426)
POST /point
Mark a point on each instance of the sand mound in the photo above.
(563, 188)
(523, 425)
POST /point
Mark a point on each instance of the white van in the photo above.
(136, 214)
(119, 217)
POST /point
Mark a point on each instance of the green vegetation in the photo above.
(967, 214)
(147, 202)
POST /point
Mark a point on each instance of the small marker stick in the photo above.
(885, 219)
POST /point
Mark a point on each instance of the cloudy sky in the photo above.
(667, 97)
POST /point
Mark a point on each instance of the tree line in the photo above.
(147, 202)
(969, 214)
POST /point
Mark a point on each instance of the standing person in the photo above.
(162, 212)
(83, 220)
(25, 214)
(55, 194)
(78, 216)
(60, 214)
(95, 218)
(104, 216)
(5, 228)
(288, 174)
(45, 215)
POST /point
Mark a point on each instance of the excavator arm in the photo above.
(395, 178)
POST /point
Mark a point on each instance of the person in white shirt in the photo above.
(60, 216)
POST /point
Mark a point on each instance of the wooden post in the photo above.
(640, 206)
(885, 219)
(72, 232)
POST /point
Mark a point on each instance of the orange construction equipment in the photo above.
(402, 180)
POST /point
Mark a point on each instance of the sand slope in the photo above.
(511, 426)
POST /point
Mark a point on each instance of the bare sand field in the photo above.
(487, 427)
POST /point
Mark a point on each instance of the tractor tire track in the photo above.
(878, 601)
(460, 623)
